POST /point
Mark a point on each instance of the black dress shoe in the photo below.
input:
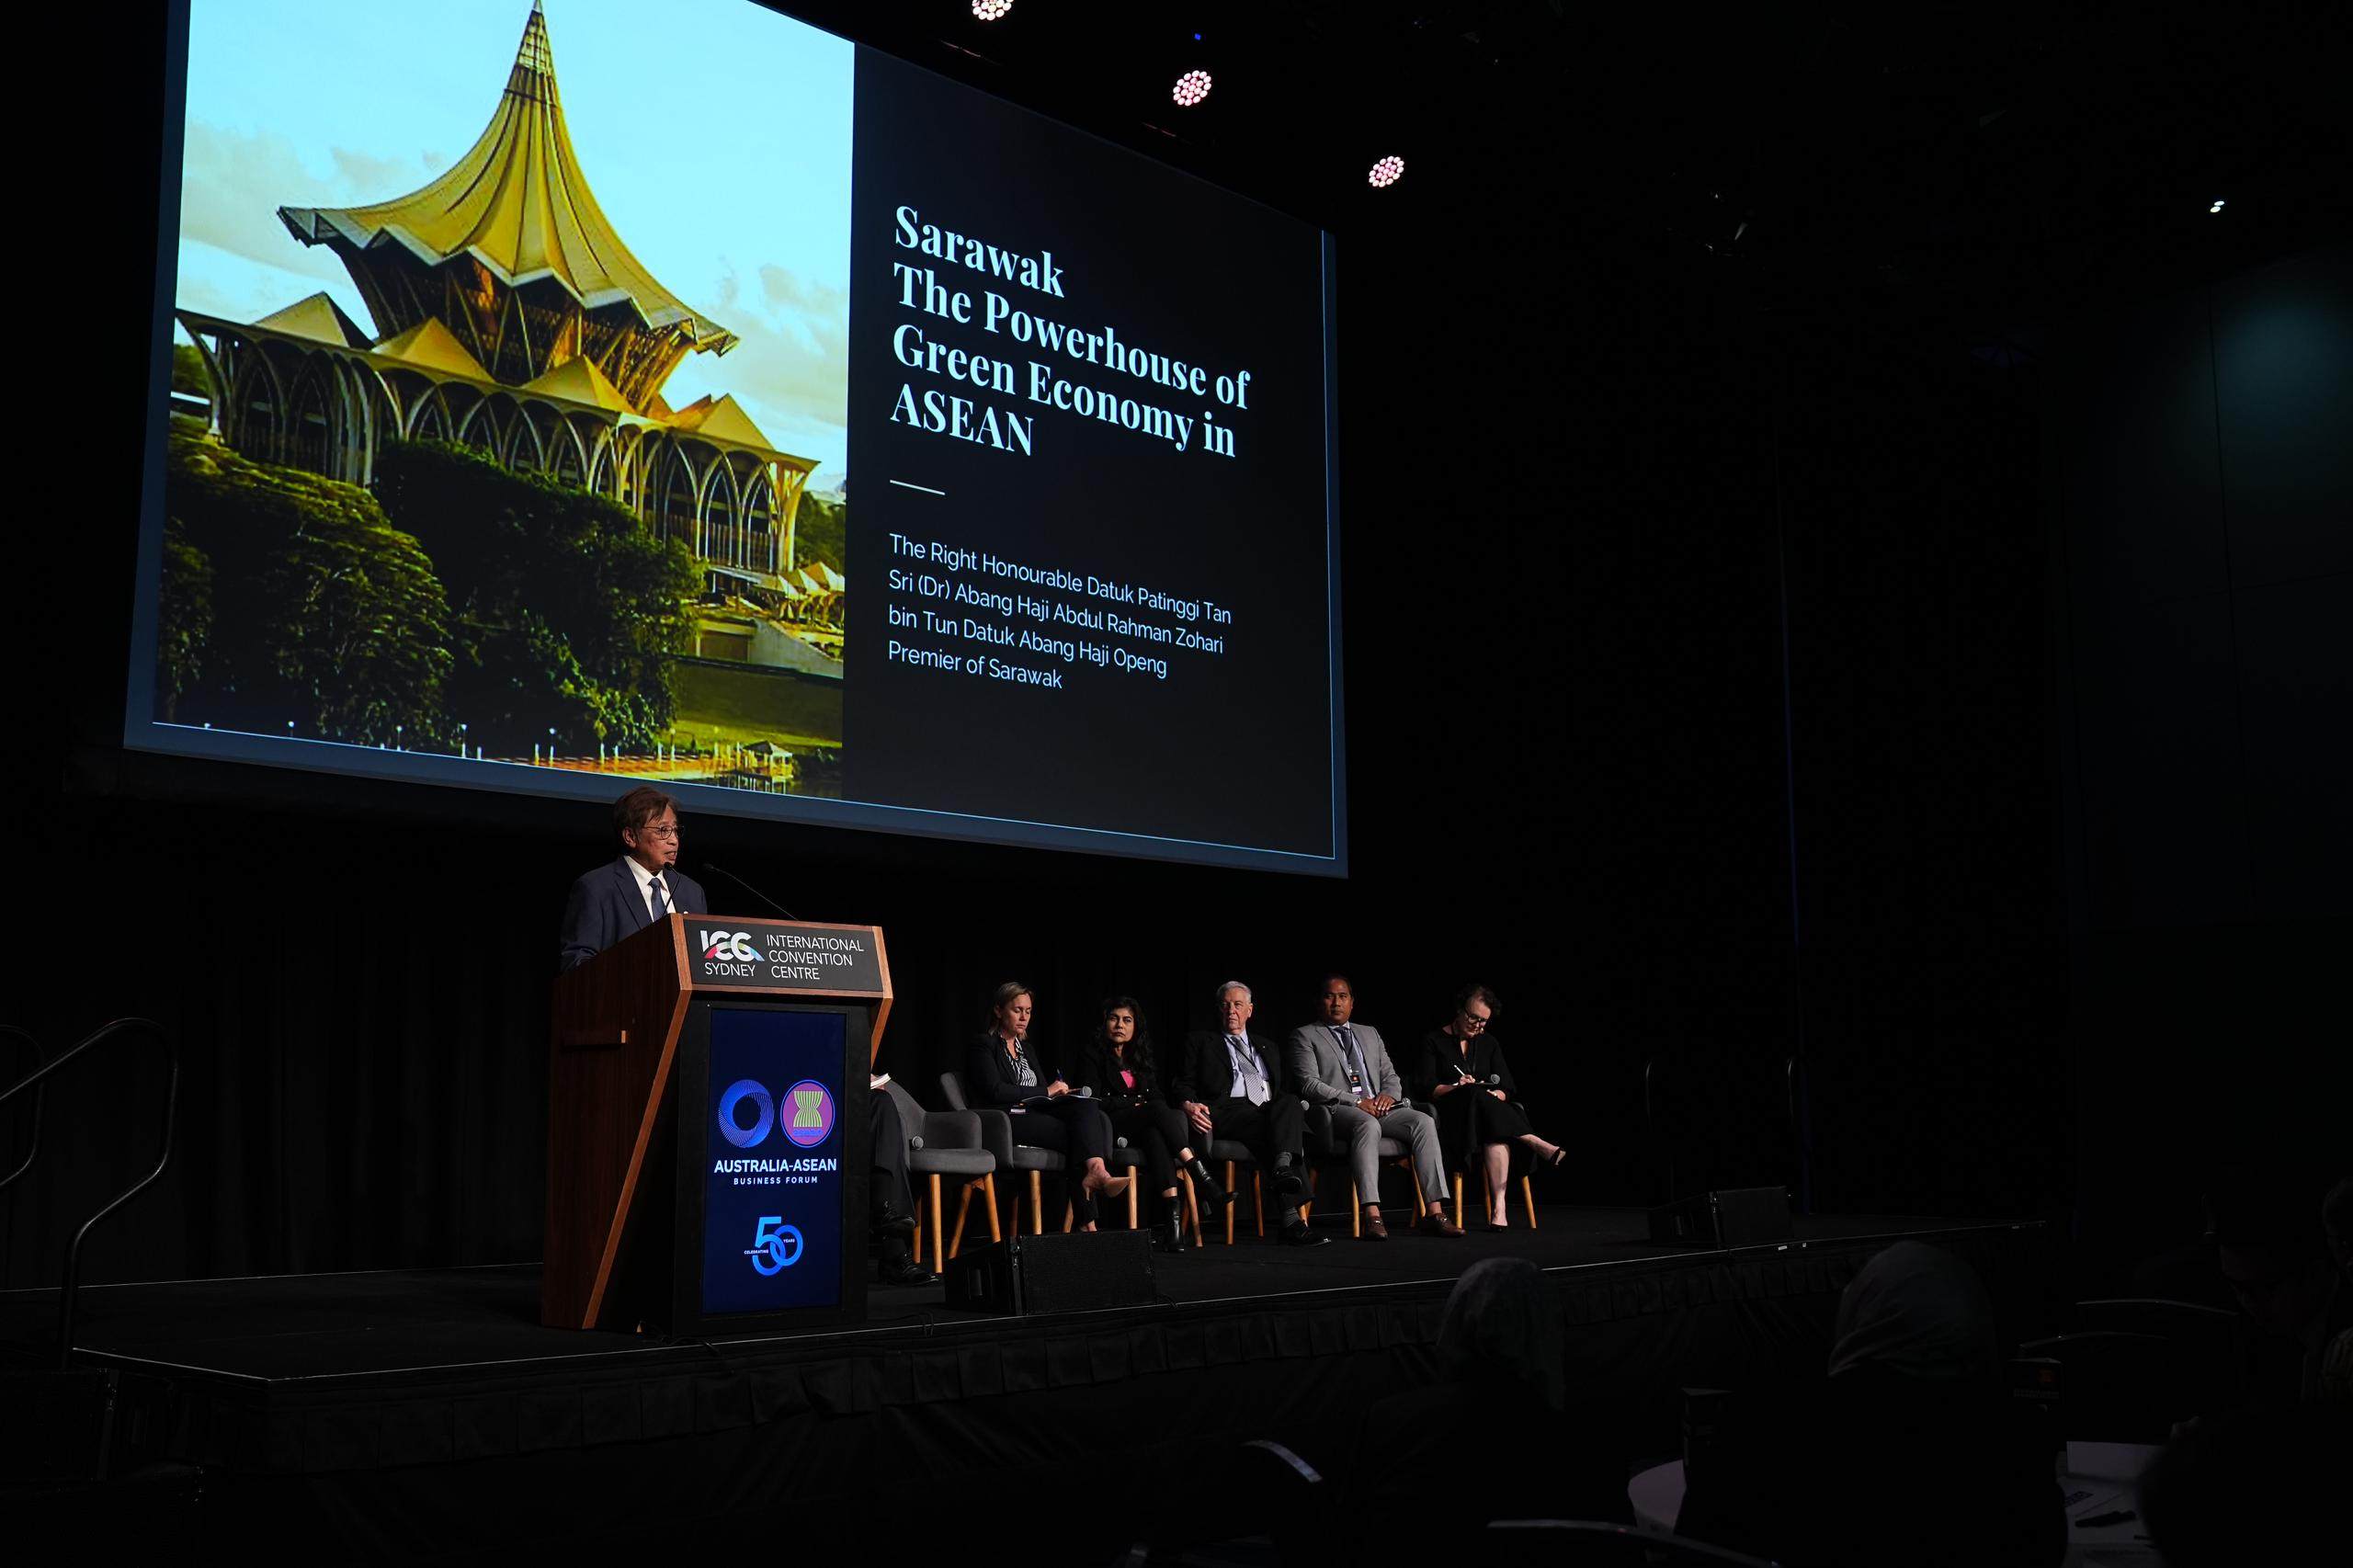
(888, 1221)
(898, 1266)
(907, 1271)
(1300, 1236)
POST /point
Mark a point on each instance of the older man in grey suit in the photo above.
(1342, 1065)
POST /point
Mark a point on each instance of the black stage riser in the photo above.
(508, 1454)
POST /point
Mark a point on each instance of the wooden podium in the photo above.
(631, 1053)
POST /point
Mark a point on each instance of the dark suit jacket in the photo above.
(606, 906)
(1098, 1069)
(988, 1072)
(1205, 1072)
(1436, 1063)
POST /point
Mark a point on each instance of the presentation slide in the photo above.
(803, 432)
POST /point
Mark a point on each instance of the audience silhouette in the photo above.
(1912, 1451)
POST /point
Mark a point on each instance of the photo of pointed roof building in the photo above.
(510, 315)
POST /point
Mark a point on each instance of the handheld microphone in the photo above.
(715, 866)
(1497, 1079)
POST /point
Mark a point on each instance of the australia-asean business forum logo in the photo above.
(806, 1120)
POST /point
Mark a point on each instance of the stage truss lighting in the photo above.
(1386, 173)
(1191, 88)
(989, 10)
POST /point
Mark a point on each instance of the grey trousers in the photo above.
(1360, 1136)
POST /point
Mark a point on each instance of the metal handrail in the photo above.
(1655, 1540)
(1651, 1123)
(33, 1149)
(2090, 1336)
(69, 1293)
(2181, 1308)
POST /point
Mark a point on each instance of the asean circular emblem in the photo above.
(807, 1115)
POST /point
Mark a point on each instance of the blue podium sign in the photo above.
(778, 1164)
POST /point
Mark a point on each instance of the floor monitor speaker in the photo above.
(1731, 1217)
(1055, 1273)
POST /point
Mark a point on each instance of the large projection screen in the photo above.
(559, 397)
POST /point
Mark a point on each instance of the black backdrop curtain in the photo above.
(1570, 777)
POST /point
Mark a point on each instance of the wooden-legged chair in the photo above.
(1526, 1196)
(945, 1146)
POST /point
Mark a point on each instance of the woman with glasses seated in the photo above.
(1000, 1071)
(1117, 1065)
(1461, 1071)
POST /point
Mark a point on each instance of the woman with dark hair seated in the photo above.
(1117, 1066)
(1462, 1072)
(1001, 1073)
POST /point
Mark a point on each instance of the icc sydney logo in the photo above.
(721, 946)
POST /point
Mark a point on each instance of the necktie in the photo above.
(1254, 1082)
(657, 897)
(1358, 1073)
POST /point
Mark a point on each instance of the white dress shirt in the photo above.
(645, 890)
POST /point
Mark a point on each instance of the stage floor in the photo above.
(381, 1329)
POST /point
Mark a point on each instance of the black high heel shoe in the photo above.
(1168, 1231)
(1206, 1191)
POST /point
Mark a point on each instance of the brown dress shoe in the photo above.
(1374, 1231)
(1436, 1226)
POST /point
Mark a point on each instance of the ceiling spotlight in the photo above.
(1191, 88)
(989, 10)
(2216, 208)
(1386, 173)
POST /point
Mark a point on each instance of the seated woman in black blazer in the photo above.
(1453, 1073)
(1001, 1073)
(1117, 1065)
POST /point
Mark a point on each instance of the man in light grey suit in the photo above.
(1343, 1066)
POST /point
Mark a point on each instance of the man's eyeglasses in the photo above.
(651, 831)
(1472, 1023)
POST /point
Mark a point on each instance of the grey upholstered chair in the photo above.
(1324, 1151)
(1124, 1159)
(945, 1143)
(997, 1137)
(1232, 1155)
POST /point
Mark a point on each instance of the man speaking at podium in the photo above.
(645, 885)
(617, 901)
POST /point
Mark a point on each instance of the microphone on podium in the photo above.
(715, 866)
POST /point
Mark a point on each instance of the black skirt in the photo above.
(1469, 1118)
